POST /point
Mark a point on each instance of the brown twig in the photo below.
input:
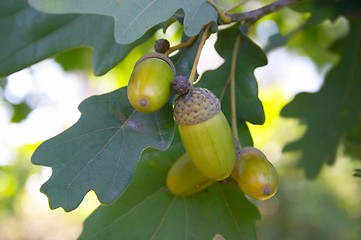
(254, 15)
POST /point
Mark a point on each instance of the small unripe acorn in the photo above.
(185, 179)
(205, 133)
(254, 174)
(149, 86)
(161, 45)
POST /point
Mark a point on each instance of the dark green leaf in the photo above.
(134, 18)
(100, 152)
(325, 9)
(249, 107)
(333, 112)
(29, 36)
(352, 141)
(251, 56)
(147, 210)
(184, 59)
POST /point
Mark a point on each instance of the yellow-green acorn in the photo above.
(149, 86)
(254, 174)
(205, 133)
(185, 179)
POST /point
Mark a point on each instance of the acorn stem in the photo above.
(189, 42)
(199, 51)
(232, 83)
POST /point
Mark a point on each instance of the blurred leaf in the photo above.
(251, 56)
(278, 40)
(328, 9)
(352, 141)
(147, 210)
(357, 173)
(75, 59)
(134, 18)
(314, 36)
(100, 152)
(3, 82)
(331, 112)
(20, 112)
(29, 36)
(14, 175)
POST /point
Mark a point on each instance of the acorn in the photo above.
(185, 179)
(149, 86)
(205, 133)
(255, 175)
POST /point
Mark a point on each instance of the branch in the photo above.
(254, 15)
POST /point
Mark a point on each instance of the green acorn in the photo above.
(254, 174)
(149, 86)
(185, 179)
(205, 133)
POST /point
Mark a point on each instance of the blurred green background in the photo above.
(41, 101)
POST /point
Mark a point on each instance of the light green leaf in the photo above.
(100, 152)
(147, 210)
(29, 36)
(333, 113)
(134, 18)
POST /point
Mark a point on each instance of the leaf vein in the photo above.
(38, 41)
(82, 135)
(16, 13)
(94, 157)
(137, 17)
(118, 163)
(186, 218)
(154, 194)
(229, 211)
(195, 13)
(163, 218)
(160, 133)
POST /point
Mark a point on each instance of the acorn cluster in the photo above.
(204, 130)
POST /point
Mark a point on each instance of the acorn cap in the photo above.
(198, 105)
(159, 56)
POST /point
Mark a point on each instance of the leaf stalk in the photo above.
(205, 36)
(232, 83)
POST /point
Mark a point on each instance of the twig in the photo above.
(254, 15)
